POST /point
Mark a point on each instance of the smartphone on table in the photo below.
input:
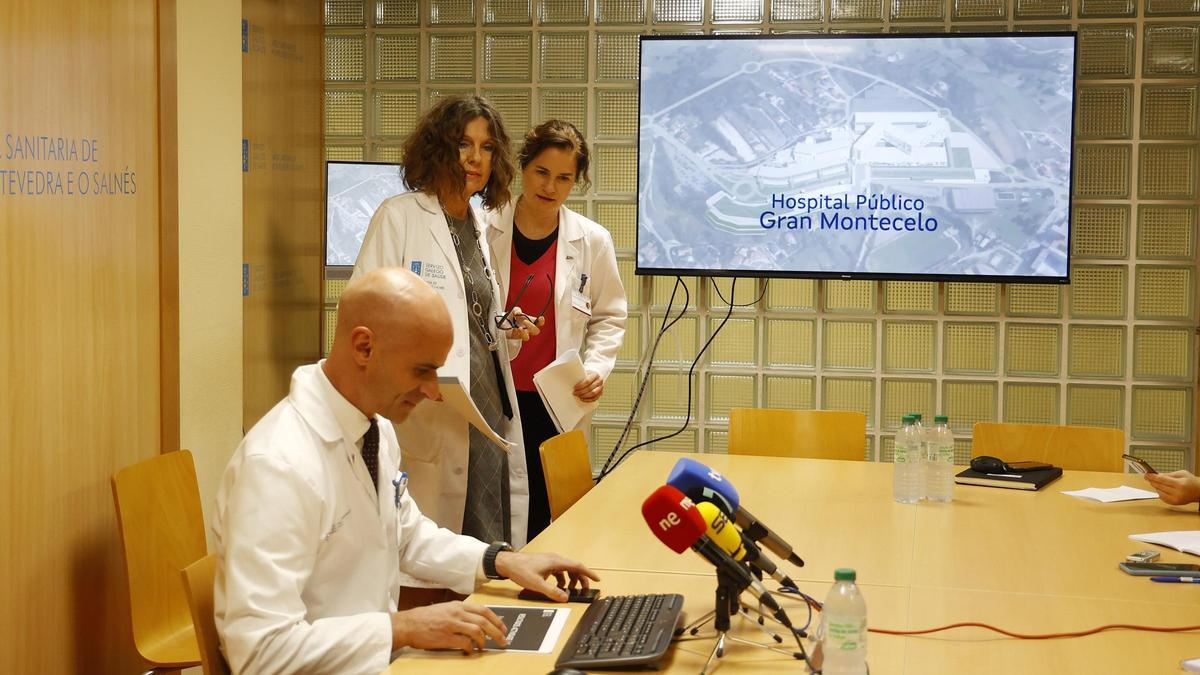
(1158, 569)
(1138, 464)
(1026, 467)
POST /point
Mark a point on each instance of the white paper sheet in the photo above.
(1187, 541)
(1117, 494)
(556, 385)
(455, 395)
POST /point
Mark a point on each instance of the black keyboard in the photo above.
(623, 631)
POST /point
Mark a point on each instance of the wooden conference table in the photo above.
(1030, 562)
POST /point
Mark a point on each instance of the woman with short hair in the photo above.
(549, 256)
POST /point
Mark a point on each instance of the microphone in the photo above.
(733, 542)
(702, 483)
(676, 521)
(673, 518)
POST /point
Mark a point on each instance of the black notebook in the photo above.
(1030, 480)
(530, 628)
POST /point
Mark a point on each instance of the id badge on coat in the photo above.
(581, 303)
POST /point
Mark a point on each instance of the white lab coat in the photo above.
(584, 247)
(410, 231)
(310, 557)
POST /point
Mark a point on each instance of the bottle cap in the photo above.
(907, 419)
(941, 419)
(844, 574)
(916, 416)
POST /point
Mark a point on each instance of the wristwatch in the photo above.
(489, 559)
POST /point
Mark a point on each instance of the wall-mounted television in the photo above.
(934, 157)
(353, 190)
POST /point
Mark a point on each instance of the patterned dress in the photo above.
(487, 516)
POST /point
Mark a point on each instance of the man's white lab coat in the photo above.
(310, 552)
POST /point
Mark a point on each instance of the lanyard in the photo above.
(476, 309)
(477, 306)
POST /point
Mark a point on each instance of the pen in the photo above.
(1004, 475)
(582, 282)
(1176, 580)
(401, 485)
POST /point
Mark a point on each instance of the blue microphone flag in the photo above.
(702, 483)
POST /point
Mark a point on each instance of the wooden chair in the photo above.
(1078, 448)
(198, 581)
(567, 469)
(162, 531)
(816, 434)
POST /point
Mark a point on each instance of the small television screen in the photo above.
(353, 190)
(937, 157)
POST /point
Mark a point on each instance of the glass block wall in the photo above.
(1116, 348)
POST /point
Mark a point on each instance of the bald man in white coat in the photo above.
(313, 522)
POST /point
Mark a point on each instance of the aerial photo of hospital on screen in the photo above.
(937, 156)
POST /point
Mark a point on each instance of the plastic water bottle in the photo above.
(921, 433)
(906, 468)
(939, 466)
(844, 615)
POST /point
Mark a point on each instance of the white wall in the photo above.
(210, 236)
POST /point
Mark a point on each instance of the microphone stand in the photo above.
(693, 628)
(728, 603)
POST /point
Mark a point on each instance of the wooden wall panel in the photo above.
(282, 91)
(79, 320)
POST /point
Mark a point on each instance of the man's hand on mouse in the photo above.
(533, 570)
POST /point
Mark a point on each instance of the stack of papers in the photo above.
(1117, 494)
(556, 385)
(1187, 541)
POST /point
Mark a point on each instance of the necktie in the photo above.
(370, 452)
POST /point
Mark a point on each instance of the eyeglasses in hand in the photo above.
(507, 321)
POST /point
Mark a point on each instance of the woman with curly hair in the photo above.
(459, 478)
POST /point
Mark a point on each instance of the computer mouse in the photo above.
(988, 464)
(566, 671)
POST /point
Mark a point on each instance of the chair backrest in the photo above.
(162, 531)
(567, 468)
(1078, 448)
(198, 581)
(816, 434)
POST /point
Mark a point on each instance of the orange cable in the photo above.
(1040, 636)
(818, 606)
